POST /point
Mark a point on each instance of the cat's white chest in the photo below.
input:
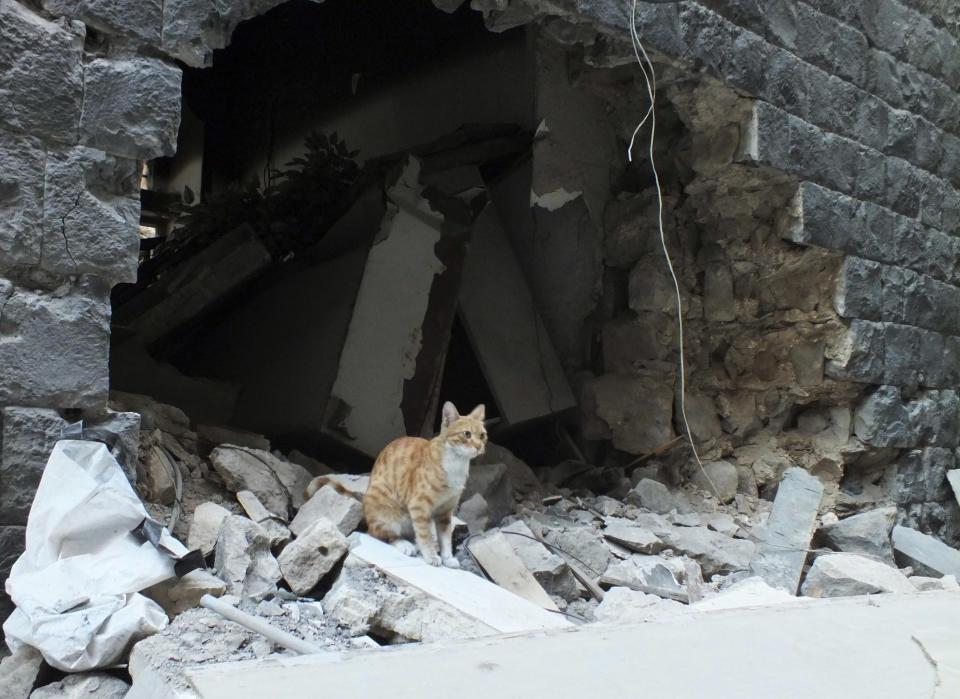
(457, 467)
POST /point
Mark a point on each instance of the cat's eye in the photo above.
(467, 434)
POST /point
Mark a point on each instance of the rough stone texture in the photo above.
(91, 215)
(714, 552)
(156, 477)
(82, 686)
(328, 504)
(41, 81)
(475, 513)
(523, 479)
(28, 438)
(626, 533)
(12, 544)
(887, 418)
(56, 345)
(720, 480)
(492, 481)
(21, 199)
(179, 594)
(621, 605)
(142, 20)
(867, 534)
(243, 559)
(844, 574)
(637, 410)
(781, 555)
(548, 568)
(921, 476)
(249, 469)
(18, 672)
(656, 497)
(205, 526)
(278, 532)
(925, 552)
(131, 107)
(312, 555)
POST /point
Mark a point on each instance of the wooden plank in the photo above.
(498, 559)
(480, 599)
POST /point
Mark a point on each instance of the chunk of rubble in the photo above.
(634, 537)
(867, 533)
(719, 478)
(924, 552)
(205, 527)
(249, 469)
(656, 497)
(749, 592)
(549, 569)
(278, 532)
(721, 522)
(217, 435)
(714, 552)
(328, 503)
(621, 605)
(243, 559)
(844, 574)
(313, 554)
(156, 475)
(83, 686)
(176, 595)
(475, 513)
(492, 481)
(18, 672)
(652, 574)
(583, 544)
(925, 584)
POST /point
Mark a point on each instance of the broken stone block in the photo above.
(216, 435)
(924, 552)
(621, 605)
(654, 574)
(243, 559)
(714, 552)
(21, 209)
(353, 607)
(84, 685)
(155, 478)
(780, 557)
(475, 513)
(279, 533)
(18, 672)
(549, 569)
(720, 480)
(179, 594)
(492, 481)
(637, 409)
(205, 527)
(844, 574)
(29, 435)
(328, 503)
(721, 522)
(657, 498)
(867, 533)
(634, 537)
(584, 545)
(250, 469)
(313, 554)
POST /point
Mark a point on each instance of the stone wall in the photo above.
(846, 116)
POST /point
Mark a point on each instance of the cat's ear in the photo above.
(479, 413)
(449, 414)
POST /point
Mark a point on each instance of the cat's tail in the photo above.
(320, 481)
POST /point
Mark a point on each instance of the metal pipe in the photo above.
(272, 633)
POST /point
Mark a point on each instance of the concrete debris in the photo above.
(475, 512)
(327, 503)
(549, 569)
(719, 478)
(249, 469)
(496, 556)
(782, 553)
(867, 533)
(492, 481)
(180, 594)
(749, 592)
(156, 480)
(845, 574)
(621, 605)
(313, 554)
(83, 686)
(714, 552)
(278, 532)
(924, 552)
(632, 536)
(243, 558)
(656, 497)
(18, 672)
(205, 527)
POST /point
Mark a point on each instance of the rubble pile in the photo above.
(278, 547)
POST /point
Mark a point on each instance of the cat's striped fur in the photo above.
(416, 484)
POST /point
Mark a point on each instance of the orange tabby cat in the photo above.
(416, 484)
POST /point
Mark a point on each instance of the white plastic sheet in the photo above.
(76, 584)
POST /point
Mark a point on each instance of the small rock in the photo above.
(844, 574)
(176, 595)
(925, 552)
(18, 672)
(328, 503)
(352, 606)
(205, 527)
(621, 605)
(924, 584)
(867, 533)
(83, 686)
(475, 513)
(492, 481)
(657, 498)
(634, 537)
(584, 545)
(312, 555)
(715, 552)
(278, 532)
(721, 522)
(641, 572)
(249, 469)
(155, 478)
(549, 569)
(607, 506)
(719, 478)
(244, 560)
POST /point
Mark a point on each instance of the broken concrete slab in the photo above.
(176, 595)
(327, 503)
(83, 686)
(714, 552)
(780, 557)
(626, 533)
(549, 569)
(249, 469)
(845, 574)
(18, 672)
(497, 558)
(657, 498)
(501, 610)
(867, 533)
(313, 554)
(205, 527)
(243, 559)
(622, 605)
(924, 552)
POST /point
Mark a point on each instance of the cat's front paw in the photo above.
(451, 562)
(407, 548)
(433, 560)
